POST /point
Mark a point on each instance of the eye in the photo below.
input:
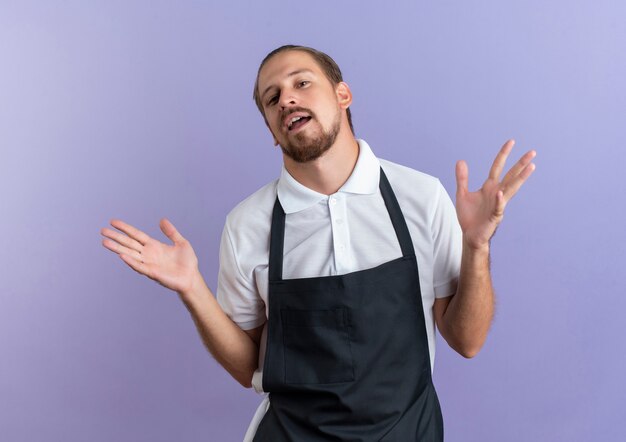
(303, 83)
(272, 100)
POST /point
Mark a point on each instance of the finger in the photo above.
(124, 240)
(512, 188)
(135, 264)
(518, 167)
(500, 160)
(134, 233)
(170, 231)
(500, 203)
(462, 175)
(120, 250)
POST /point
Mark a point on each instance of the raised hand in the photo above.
(173, 266)
(480, 212)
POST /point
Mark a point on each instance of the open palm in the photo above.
(172, 266)
(480, 212)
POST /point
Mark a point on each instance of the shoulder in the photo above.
(423, 199)
(250, 219)
(412, 186)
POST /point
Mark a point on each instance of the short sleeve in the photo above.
(236, 293)
(447, 245)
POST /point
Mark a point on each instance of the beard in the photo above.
(305, 148)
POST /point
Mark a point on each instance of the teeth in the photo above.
(293, 120)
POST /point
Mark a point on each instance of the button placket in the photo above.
(341, 237)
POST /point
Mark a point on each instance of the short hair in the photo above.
(324, 61)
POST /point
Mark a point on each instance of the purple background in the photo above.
(142, 110)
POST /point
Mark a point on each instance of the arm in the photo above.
(464, 319)
(176, 267)
(235, 349)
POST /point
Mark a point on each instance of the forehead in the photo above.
(282, 64)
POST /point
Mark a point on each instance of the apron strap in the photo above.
(277, 234)
(277, 241)
(397, 219)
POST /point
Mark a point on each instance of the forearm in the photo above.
(469, 313)
(229, 344)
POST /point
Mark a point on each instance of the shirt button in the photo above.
(339, 221)
(342, 247)
(333, 201)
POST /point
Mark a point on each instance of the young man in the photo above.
(333, 276)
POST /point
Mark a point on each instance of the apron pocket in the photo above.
(317, 346)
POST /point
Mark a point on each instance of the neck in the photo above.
(329, 172)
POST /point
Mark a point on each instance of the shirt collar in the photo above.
(364, 179)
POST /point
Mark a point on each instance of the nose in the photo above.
(288, 98)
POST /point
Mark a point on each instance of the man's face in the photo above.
(302, 107)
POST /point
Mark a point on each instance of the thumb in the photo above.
(170, 231)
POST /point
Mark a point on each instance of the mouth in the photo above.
(297, 123)
(296, 120)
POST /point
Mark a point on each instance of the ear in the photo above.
(344, 95)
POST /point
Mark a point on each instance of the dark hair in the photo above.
(324, 61)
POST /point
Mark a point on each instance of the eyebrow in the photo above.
(291, 74)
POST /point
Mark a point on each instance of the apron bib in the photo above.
(347, 356)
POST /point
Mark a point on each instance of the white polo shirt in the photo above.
(336, 234)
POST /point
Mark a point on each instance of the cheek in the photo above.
(331, 109)
(272, 119)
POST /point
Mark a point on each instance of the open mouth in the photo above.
(297, 122)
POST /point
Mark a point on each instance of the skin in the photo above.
(462, 319)
(330, 171)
